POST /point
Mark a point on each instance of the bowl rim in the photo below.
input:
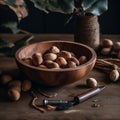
(93, 57)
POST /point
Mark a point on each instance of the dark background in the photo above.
(40, 22)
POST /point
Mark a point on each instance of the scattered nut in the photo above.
(105, 51)
(107, 43)
(116, 46)
(5, 79)
(114, 75)
(14, 83)
(26, 85)
(92, 82)
(13, 94)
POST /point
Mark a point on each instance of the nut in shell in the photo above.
(42, 66)
(82, 59)
(116, 46)
(65, 54)
(114, 75)
(61, 61)
(71, 64)
(107, 43)
(92, 82)
(50, 56)
(5, 79)
(26, 85)
(37, 59)
(51, 64)
(105, 51)
(74, 59)
(28, 60)
(14, 83)
(54, 49)
(13, 94)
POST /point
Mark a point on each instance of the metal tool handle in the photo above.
(90, 93)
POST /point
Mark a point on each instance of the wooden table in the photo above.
(109, 99)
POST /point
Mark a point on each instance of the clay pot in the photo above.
(87, 31)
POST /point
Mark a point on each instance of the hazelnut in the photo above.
(92, 82)
(27, 60)
(14, 94)
(51, 64)
(50, 56)
(82, 59)
(61, 61)
(54, 49)
(71, 64)
(65, 54)
(107, 43)
(42, 66)
(15, 84)
(6, 78)
(114, 75)
(75, 60)
(105, 51)
(26, 85)
(37, 59)
(116, 46)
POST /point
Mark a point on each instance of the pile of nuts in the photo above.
(15, 86)
(108, 48)
(55, 58)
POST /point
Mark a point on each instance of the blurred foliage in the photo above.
(73, 7)
(13, 11)
(8, 48)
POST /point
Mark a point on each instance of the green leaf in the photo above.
(13, 3)
(87, 4)
(18, 6)
(95, 7)
(6, 44)
(12, 26)
(40, 4)
(61, 6)
(9, 49)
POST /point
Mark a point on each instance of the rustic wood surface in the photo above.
(109, 99)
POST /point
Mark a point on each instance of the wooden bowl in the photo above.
(56, 77)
